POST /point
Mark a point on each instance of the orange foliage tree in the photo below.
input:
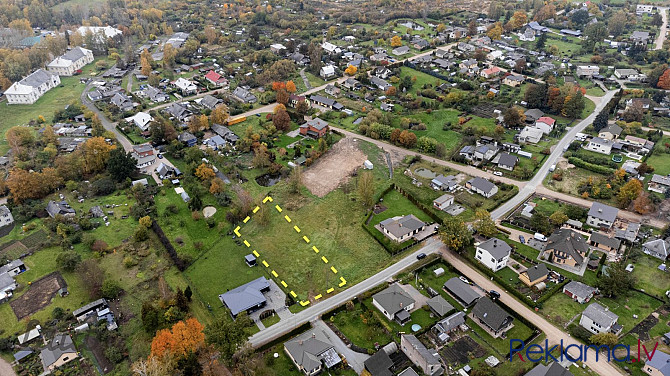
(290, 87)
(184, 337)
(276, 85)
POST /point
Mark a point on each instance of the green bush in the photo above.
(590, 166)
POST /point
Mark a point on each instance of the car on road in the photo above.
(498, 173)
(464, 279)
(522, 239)
(421, 256)
(160, 156)
(495, 295)
(630, 267)
(259, 115)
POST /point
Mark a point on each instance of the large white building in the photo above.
(103, 31)
(493, 253)
(32, 87)
(71, 61)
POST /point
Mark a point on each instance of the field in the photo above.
(335, 167)
(661, 163)
(648, 277)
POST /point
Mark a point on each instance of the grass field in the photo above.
(661, 162)
(648, 277)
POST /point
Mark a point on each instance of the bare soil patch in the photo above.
(38, 296)
(94, 345)
(334, 167)
(461, 351)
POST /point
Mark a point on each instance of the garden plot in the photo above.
(334, 168)
(38, 296)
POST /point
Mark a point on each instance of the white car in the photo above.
(464, 279)
(498, 173)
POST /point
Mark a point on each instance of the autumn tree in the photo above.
(472, 28)
(183, 338)
(216, 186)
(664, 80)
(282, 97)
(484, 224)
(211, 34)
(604, 339)
(95, 154)
(513, 117)
(628, 192)
(495, 31)
(351, 70)
(295, 179)
(198, 123)
(219, 114)
(518, 19)
(290, 87)
(204, 172)
(391, 91)
(146, 61)
(366, 188)
(261, 157)
(92, 277)
(396, 41)
(18, 138)
(642, 204)
(281, 120)
(302, 108)
(169, 56)
(558, 218)
(455, 234)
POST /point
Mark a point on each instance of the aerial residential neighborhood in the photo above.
(359, 187)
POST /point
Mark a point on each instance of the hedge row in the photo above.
(590, 166)
(179, 263)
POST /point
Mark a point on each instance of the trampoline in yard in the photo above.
(617, 158)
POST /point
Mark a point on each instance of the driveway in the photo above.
(420, 300)
(276, 300)
(6, 369)
(663, 31)
(354, 359)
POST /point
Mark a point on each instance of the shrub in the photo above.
(110, 289)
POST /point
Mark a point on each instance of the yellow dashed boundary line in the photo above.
(315, 249)
(247, 244)
(246, 219)
(324, 259)
(256, 209)
(318, 297)
(306, 239)
(296, 228)
(265, 263)
(237, 231)
(333, 269)
(255, 253)
(274, 274)
(284, 284)
(330, 290)
(278, 208)
(287, 218)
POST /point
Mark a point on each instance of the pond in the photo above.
(425, 173)
(268, 180)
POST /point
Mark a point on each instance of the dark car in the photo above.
(495, 295)
(421, 256)
(522, 240)
(160, 156)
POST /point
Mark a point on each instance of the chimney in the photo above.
(313, 335)
(400, 304)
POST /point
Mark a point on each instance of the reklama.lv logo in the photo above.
(576, 352)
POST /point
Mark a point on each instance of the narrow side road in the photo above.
(663, 31)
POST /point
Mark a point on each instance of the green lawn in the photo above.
(560, 309)
(398, 205)
(269, 321)
(362, 327)
(660, 161)
(648, 277)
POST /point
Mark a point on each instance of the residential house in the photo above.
(528, 35)
(6, 217)
(141, 120)
(352, 84)
(601, 215)
(13, 268)
(529, 135)
(31, 87)
(216, 79)
(545, 124)
(537, 28)
(185, 86)
(637, 145)
(588, 70)
(210, 102)
(277, 48)
(507, 161)
(310, 351)
(493, 253)
(122, 102)
(57, 352)
(553, 369)
(659, 248)
(325, 102)
(381, 84)
(382, 72)
(485, 152)
(395, 303)
(467, 152)
(600, 145)
(330, 48)
(629, 74)
(165, 171)
(178, 39)
(490, 72)
(299, 58)
(226, 133)
(513, 80)
(327, 72)
(482, 186)
(399, 51)
(491, 317)
(659, 364)
(579, 292)
(315, 128)
(566, 247)
(243, 95)
(604, 242)
(178, 111)
(388, 107)
(468, 65)
(629, 234)
(611, 132)
(94, 312)
(446, 326)
(101, 32)
(640, 38)
(401, 228)
(427, 360)
(144, 155)
(598, 319)
(380, 364)
(641, 9)
(71, 62)
(420, 43)
(443, 202)
(444, 183)
(461, 291)
(534, 275)
(533, 115)
(246, 298)
(55, 208)
(439, 306)
(332, 90)
(187, 138)
(155, 95)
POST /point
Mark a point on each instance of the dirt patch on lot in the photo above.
(461, 351)
(94, 345)
(38, 296)
(334, 167)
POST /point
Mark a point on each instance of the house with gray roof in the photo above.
(380, 83)
(427, 360)
(658, 365)
(598, 319)
(243, 95)
(444, 183)
(6, 217)
(71, 62)
(439, 305)
(491, 317)
(611, 132)
(460, 290)
(155, 95)
(630, 233)
(401, 228)
(395, 303)
(226, 133)
(248, 297)
(310, 351)
(534, 275)
(210, 102)
(566, 247)
(187, 138)
(553, 369)
(507, 161)
(399, 51)
(449, 324)
(579, 292)
(659, 248)
(601, 215)
(493, 253)
(659, 183)
(604, 242)
(32, 87)
(59, 351)
(178, 111)
(122, 102)
(55, 208)
(482, 186)
(326, 102)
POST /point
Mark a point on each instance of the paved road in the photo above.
(305, 80)
(314, 311)
(530, 187)
(664, 28)
(6, 369)
(554, 334)
(354, 359)
(109, 125)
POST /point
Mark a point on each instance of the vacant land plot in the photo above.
(38, 296)
(462, 350)
(334, 168)
(648, 277)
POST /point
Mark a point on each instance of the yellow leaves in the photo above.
(184, 337)
(396, 41)
(204, 172)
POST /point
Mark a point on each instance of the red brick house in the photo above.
(215, 78)
(315, 128)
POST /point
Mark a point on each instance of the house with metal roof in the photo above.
(493, 253)
(482, 186)
(579, 292)
(395, 303)
(461, 291)
(659, 248)
(58, 351)
(601, 215)
(243, 95)
(71, 62)
(401, 228)
(491, 317)
(311, 351)
(566, 247)
(604, 242)
(598, 319)
(534, 275)
(248, 297)
(439, 306)
(32, 87)
(29, 336)
(658, 365)
(426, 359)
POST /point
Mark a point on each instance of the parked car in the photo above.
(160, 156)
(498, 173)
(495, 295)
(421, 256)
(540, 237)
(522, 239)
(464, 279)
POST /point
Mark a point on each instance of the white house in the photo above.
(443, 202)
(327, 72)
(530, 135)
(493, 253)
(185, 86)
(629, 74)
(395, 303)
(144, 155)
(401, 228)
(330, 48)
(598, 319)
(70, 62)
(141, 120)
(545, 124)
(588, 70)
(600, 145)
(103, 31)
(32, 87)
(601, 215)
(6, 217)
(482, 186)
(643, 8)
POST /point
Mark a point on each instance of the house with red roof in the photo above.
(216, 79)
(490, 72)
(545, 124)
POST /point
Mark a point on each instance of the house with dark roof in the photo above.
(187, 138)
(507, 161)
(611, 132)
(401, 228)
(248, 297)
(226, 133)
(447, 325)
(534, 275)
(427, 360)
(59, 351)
(315, 128)
(395, 303)
(601, 215)
(243, 95)
(311, 351)
(554, 369)
(178, 111)
(96, 311)
(380, 364)
(461, 291)
(55, 208)
(491, 317)
(210, 102)
(71, 62)
(325, 102)
(155, 95)
(579, 292)
(439, 306)
(566, 247)
(482, 186)
(598, 319)
(444, 183)
(122, 102)
(493, 253)
(604, 242)
(380, 83)
(659, 248)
